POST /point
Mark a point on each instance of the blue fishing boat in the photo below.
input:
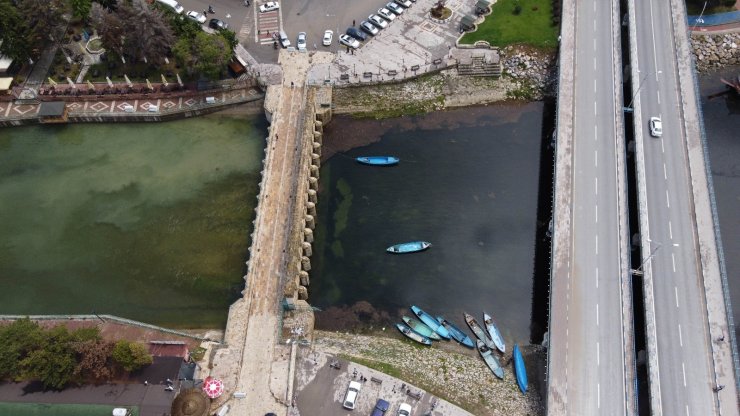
(496, 337)
(490, 359)
(456, 333)
(519, 369)
(478, 331)
(378, 160)
(421, 329)
(411, 247)
(410, 334)
(431, 322)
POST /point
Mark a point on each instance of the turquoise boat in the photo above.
(478, 331)
(411, 247)
(421, 329)
(455, 332)
(496, 337)
(519, 369)
(431, 322)
(410, 334)
(491, 361)
(378, 160)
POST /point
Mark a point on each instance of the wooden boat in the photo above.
(431, 322)
(421, 329)
(491, 360)
(410, 334)
(496, 337)
(411, 247)
(456, 333)
(478, 331)
(519, 369)
(378, 160)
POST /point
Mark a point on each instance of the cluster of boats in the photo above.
(428, 328)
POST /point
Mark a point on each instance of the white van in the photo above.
(172, 4)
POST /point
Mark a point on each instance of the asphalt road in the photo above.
(684, 356)
(595, 345)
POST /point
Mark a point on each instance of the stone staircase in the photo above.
(478, 67)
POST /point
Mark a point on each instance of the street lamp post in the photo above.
(639, 87)
(638, 271)
(699, 19)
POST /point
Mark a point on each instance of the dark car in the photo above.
(381, 407)
(355, 33)
(217, 24)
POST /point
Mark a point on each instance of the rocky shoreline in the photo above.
(447, 370)
(713, 51)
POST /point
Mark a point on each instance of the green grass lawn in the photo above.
(532, 26)
(45, 409)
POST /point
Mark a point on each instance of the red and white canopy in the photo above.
(213, 387)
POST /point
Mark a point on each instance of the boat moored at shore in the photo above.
(431, 322)
(410, 247)
(421, 329)
(378, 160)
(410, 334)
(519, 369)
(478, 331)
(494, 333)
(491, 361)
(456, 333)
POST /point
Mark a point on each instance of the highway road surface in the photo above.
(596, 361)
(684, 358)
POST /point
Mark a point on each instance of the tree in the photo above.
(42, 17)
(54, 363)
(206, 54)
(131, 356)
(14, 32)
(17, 340)
(108, 4)
(93, 360)
(109, 26)
(81, 8)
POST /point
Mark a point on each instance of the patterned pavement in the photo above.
(268, 24)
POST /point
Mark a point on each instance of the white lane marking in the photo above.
(597, 243)
(662, 148)
(667, 199)
(596, 186)
(597, 277)
(598, 389)
(683, 368)
(596, 132)
(596, 213)
(670, 230)
(594, 104)
(596, 158)
(658, 97)
(597, 319)
(598, 355)
(680, 336)
(652, 30)
(665, 172)
(673, 260)
(687, 410)
(594, 85)
(675, 289)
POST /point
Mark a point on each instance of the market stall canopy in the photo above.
(213, 387)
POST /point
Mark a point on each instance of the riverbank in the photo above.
(448, 371)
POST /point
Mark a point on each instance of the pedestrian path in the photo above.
(268, 24)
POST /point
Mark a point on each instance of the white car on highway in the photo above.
(386, 14)
(349, 41)
(196, 17)
(377, 21)
(656, 127)
(269, 6)
(328, 37)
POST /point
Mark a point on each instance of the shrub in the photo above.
(517, 9)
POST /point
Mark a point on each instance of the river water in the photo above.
(146, 221)
(467, 183)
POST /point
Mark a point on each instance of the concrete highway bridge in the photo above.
(688, 330)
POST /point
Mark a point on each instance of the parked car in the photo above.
(404, 3)
(328, 37)
(196, 17)
(386, 14)
(301, 43)
(284, 41)
(377, 21)
(394, 7)
(269, 6)
(218, 24)
(350, 398)
(349, 41)
(356, 33)
(381, 406)
(404, 409)
(369, 28)
(656, 127)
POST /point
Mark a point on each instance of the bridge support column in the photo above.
(314, 171)
(312, 196)
(306, 263)
(317, 148)
(315, 159)
(311, 208)
(302, 293)
(307, 249)
(318, 137)
(308, 235)
(310, 223)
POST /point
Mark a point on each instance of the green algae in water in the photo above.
(146, 221)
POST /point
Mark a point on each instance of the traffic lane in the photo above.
(234, 9)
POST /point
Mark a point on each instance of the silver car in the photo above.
(368, 28)
(404, 3)
(656, 127)
(377, 21)
(386, 14)
(394, 7)
(348, 40)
